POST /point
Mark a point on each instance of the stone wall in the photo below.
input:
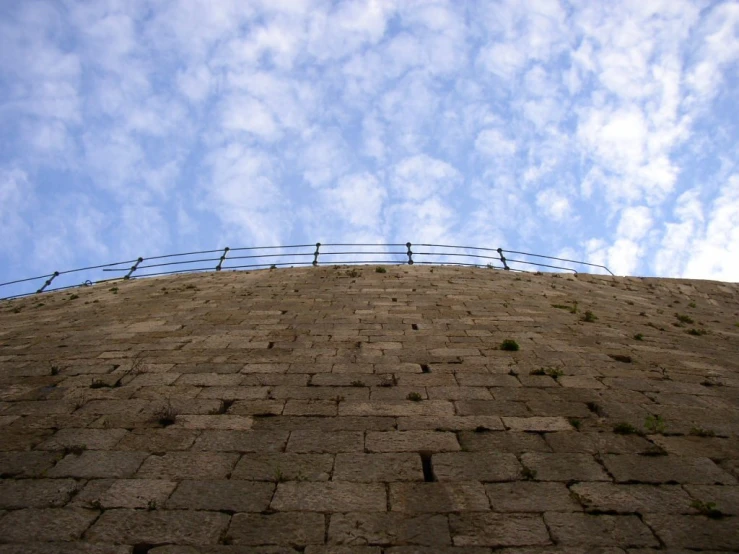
(339, 409)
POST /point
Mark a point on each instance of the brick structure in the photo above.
(344, 410)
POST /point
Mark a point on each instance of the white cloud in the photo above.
(244, 113)
(241, 191)
(492, 143)
(357, 200)
(16, 194)
(554, 204)
(635, 223)
(502, 60)
(195, 82)
(715, 252)
(421, 176)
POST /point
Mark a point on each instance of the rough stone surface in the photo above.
(234, 496)
(389, 528)
(308, 410)
(157, 527)
(438, 497)
(599, 530)
(380, 467)
(498, 530)
(329, 497)
(280, 528)
(54, 524)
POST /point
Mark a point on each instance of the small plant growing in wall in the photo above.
(166, 415)
(554, 372)
(380, 270)
(700, 432)
(684, 318)
(708, 509)
(655, 424)
(509, 345)
(414, 396)
(624, 428)
(638, 336)
(589, 317)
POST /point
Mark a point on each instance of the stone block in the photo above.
(695, 532)
(36, 493)
(530, 496)
(424, 408)
(231, 495)
(666, 469)
(53, 524)
(278, 528)
(98, 464)
(369, 468)
(26, 464)
(318, 441)
(158, 440)
(241, 441)
(496, 530)
(626, 499)
(91, 439)
(158, 527)
(329, 497)
(188, 465)
(438, 497)
(129, 493)
(476, 466)
(510, 441)
(388, 528)
(537, 424)
(599, 530)
(492, 408)
(284, 466)
(411, 441)
(564, 467)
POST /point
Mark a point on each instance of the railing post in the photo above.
(410, 253)
(133, 268)
(48, 282)
(315, 254)
(502, 259)
(223, 257)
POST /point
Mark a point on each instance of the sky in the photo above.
(595, 130)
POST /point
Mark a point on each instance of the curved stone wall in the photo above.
(340, 409)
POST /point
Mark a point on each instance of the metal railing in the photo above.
(263, 257)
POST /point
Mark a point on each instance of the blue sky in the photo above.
(602, 131)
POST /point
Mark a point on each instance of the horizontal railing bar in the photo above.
(360, 244)
(457, 247)
(267, 256)
(541, 265)
(359, 253)
(272, 247)
(183, 254)
(175, 272)
(168, 263)
(454, 254)
(94, 267)
(560, 259)
(26, 280)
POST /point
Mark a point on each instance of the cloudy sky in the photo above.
(604, 131)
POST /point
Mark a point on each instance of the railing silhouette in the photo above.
(263, 257)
